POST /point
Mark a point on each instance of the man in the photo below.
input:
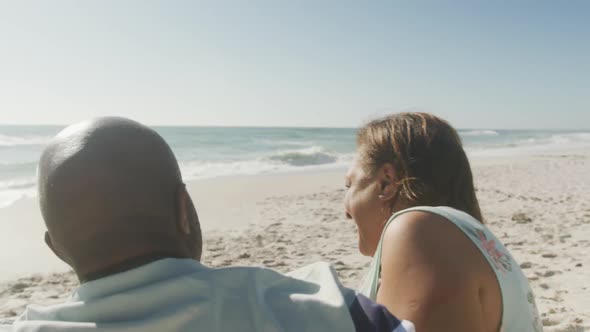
(118, 213)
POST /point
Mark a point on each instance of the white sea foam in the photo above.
(23, 140)
(556, 143)
(230, 153)
(479, 133)
(313, 158)
(294, 143)
(315, 155)
(13, 190)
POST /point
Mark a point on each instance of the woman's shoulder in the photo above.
(429, 268)
(429, 238)
(418, 224)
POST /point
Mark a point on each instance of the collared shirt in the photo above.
(183, 295)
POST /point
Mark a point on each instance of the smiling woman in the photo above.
(411, 194)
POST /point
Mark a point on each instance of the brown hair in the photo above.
(431, 166)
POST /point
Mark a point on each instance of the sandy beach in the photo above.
(537, 205)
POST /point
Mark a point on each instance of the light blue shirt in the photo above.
(183, 295)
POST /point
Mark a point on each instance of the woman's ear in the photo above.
(388, 182)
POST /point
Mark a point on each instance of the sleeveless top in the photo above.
(519, 311)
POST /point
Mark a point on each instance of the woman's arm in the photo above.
(428, 275)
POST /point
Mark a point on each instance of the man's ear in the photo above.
(195, 225)
(387, 180)
(188, 223)
(183, 212)
(57, 253)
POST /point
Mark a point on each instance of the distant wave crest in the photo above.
(18, 184)
(280, 161)
(571, 137)
(24, 140)
(305, 157)
(557, 139)
(574, 141)
(295, 143)
(480, 133)
(13, 190)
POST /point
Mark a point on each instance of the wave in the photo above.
(312, 158)
(552, 143)
(314, 155)
(279, 162)
(284, 142)
(479, 133)
(13, 190)
(193, 170)
(18, 184)
(557, 139)
(570, 137)
(23, 140)
(15, 166)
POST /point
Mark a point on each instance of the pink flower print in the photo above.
(500, 259)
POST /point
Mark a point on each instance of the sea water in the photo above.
(206, 152)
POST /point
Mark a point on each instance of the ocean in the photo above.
(207, 152)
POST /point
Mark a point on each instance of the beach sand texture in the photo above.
(536, 205)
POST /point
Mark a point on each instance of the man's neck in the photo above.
(125, 265)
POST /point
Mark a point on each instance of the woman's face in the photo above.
(363, 205)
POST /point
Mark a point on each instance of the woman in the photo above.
(411, 194)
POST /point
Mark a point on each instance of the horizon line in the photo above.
(279, 126)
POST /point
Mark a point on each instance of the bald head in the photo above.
(110, 191)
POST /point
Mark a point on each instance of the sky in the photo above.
(479, 64)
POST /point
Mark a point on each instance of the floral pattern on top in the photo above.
(501, 259)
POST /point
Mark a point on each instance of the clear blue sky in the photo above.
(480, 64)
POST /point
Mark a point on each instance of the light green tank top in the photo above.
(519, 309)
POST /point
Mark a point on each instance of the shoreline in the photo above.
(26, 187)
